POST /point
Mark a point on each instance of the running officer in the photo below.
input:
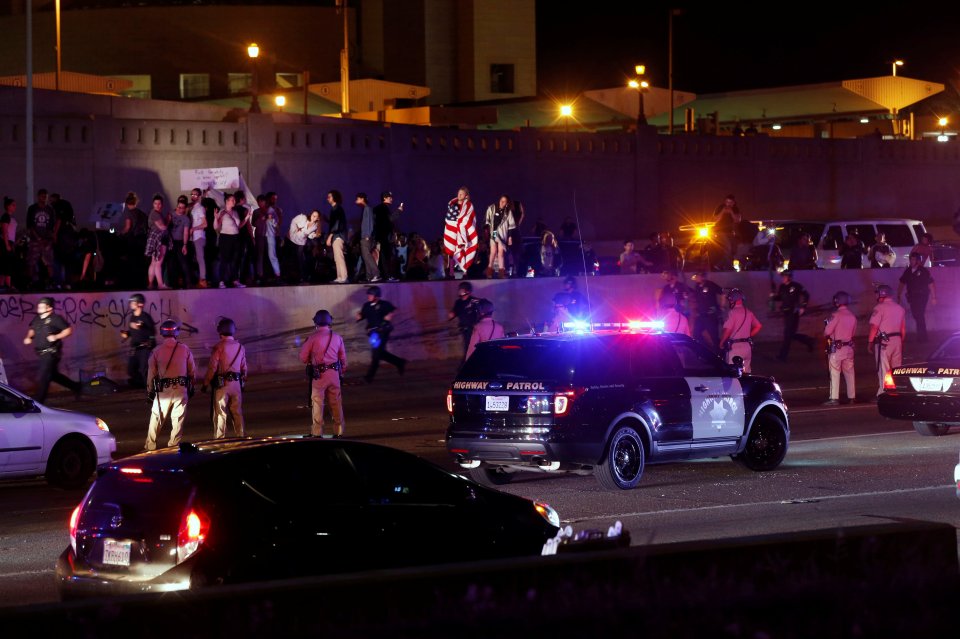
(793, 302)
(227, 373)
(141, 331)
(739, 330)
(378, 314)
(170, 382)
(50, 330)
(326, 361)
(839, 331)
(888, 328)
(486, 329)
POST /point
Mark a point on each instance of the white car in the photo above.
(956, 477)
(62, 445)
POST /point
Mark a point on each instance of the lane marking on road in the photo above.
(832, 409)
(862, 435)
(778, 502)
(24, 573)
(805, 388)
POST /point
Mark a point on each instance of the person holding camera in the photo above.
(227, 373)
(378, 313)
(170, 384)
(326, 360)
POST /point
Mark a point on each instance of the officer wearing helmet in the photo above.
(227, 373)
(326, 361)
(888, 328)
(839, 330)
(378, 313)
(739, 330)
(50, 330)
(673, 320)
(486, 329)
(466, 311)
(170, 378)
(141, 333)
(793, 302)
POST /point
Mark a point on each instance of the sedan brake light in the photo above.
(563, 400)
(74, 522)
(450, 401)
(888, 383)
(193, 532)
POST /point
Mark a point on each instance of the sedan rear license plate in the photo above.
(116, 553)
(498, 403)
(935, 385)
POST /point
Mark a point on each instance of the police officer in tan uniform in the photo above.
(888, 329)
(739, 330)
(839, 330)
(227, 373)
(326, 361)
(170, 384)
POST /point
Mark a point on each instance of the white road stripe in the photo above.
(781, 502)
(823, 409)
(24, 573)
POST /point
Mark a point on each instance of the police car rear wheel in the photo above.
(490, 476)
(766, 444)
(932, 429)
(622, 465)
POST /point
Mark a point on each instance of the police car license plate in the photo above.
(116, 553)
(498, 403)
(936, 385)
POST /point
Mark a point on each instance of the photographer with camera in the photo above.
(326, 360)
(170, 384)
(378, 314)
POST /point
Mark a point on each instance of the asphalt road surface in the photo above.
(846, 466)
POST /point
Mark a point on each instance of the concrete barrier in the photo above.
(273, 322)
(889, 580)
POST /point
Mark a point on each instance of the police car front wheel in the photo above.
(766, 444)
(622, 464)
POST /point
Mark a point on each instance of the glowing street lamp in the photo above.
(566, 112)
(641, 85)
(253, 52)
(280, 101)
(894, 65)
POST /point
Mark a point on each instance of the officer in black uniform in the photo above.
(678, 290)
(706, 304)
(793, 302)
(141, 332)
(466, 310)
(575, 302)
(49, 330)
(378, 314)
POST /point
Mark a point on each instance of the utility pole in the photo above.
(344, 61)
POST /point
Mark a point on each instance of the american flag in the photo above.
(460, 233)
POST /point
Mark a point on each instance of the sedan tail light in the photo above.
(74, 521)
(888, 383)
(193, 532)
(450, 401)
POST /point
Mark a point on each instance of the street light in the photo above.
(280, 101)
(566, 112)
(894, 65)
(641, 85)
(253, 51)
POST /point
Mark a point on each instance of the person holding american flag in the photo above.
(460, 233)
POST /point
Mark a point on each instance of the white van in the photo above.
(902, 235)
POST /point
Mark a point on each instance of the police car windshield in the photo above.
(519, 359)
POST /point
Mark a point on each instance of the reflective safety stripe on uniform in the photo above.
(716, 405)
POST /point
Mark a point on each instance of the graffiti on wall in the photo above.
(79, 310)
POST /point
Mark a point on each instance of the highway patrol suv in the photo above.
(607, 400)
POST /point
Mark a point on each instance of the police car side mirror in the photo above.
(737, 365)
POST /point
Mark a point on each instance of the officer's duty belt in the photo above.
(229, 377)
(319, 369)
(165, 382)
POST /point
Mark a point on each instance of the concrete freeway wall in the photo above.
(273, 322)
(93, 149)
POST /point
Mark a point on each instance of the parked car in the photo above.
(64, 446)
(607, 402)
(230, 511)
(902, 235)
(928, 393)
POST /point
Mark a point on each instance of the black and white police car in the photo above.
(926, 393)
(607, 399)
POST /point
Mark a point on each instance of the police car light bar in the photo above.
(583, 326)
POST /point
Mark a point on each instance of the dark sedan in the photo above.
(928, 394)
(255, 509)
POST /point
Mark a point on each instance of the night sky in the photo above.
(723, 47)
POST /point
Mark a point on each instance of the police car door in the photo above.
(716, 396)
